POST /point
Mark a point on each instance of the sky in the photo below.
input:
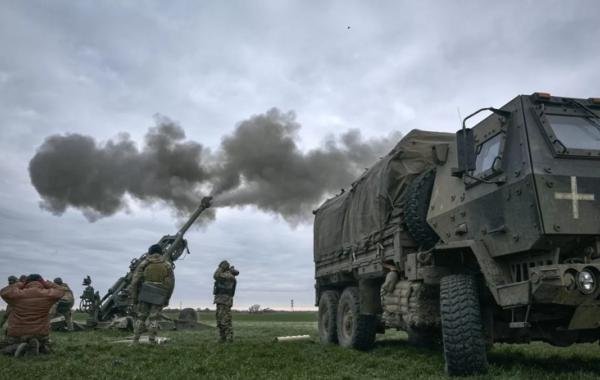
(101, 68)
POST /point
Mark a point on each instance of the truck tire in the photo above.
(354, 330)
(416, 206)
(462, 326)
(328, 305)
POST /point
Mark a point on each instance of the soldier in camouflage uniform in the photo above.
(11, 280)
(151, 288)
(224, 291)
(64, 305)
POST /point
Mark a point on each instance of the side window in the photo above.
(488, 156)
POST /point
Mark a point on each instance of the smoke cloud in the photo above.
(74, 170)
(259, 164)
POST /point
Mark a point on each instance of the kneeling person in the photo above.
(29, 319)
(151, 287)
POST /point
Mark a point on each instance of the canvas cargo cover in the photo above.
(351, 219)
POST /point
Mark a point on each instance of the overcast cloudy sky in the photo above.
(100, 68)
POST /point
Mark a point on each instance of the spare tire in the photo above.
(416, 206)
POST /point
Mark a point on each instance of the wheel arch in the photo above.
(497, 276)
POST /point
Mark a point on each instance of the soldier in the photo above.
(11, 280)
(224, 290)
(64, 305)
(151, 288)
(29, 320)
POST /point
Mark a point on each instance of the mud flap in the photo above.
(585, 317)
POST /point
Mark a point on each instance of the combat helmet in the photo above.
(155, 248)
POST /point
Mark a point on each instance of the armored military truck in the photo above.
(488, 235)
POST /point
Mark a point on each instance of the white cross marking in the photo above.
(574, 197)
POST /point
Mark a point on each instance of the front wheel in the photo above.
(354, 330)
(462, 326)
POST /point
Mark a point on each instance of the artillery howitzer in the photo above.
(117, 301)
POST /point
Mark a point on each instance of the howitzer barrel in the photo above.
(204, 204)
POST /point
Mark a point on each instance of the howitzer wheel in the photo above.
(328, 316)
(416, 206)
(188, 315)
(462, 326)
(354, 330)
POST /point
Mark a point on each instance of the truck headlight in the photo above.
(586, 282)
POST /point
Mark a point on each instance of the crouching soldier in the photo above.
(29, 319)
(64, 305)
(151, 288)
(224, 290)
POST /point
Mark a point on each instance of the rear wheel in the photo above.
(462, 326)
(328, 316)
(354, 330)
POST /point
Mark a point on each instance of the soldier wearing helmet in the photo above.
(224, 290)
(64, 305)
(151, 288)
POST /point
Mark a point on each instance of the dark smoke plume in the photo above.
(74, 170)
(259, 164)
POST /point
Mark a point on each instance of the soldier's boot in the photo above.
(70, 322)
(9, 349)
(45, 348)
(34, 346)
(152, 331)
(137, 331)
(229, 334)
(21, 349)
(222, 335)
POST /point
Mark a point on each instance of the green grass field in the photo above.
(254, 355)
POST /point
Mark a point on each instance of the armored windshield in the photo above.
(576, 132)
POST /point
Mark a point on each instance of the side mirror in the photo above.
(465, 143)
(465, 151)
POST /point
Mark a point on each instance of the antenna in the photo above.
(459, 116)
